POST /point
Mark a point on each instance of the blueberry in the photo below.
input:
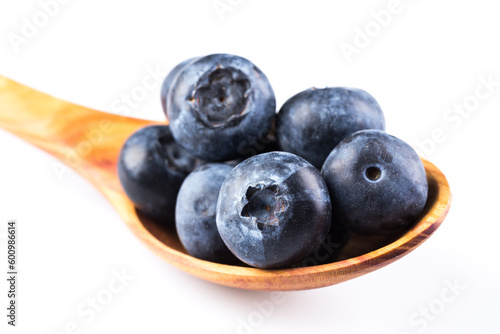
(151, 168)
(311, 123)
(195, 213)
(273, 210)
(219, 105)
(377, 183)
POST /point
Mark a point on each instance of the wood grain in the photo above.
(89, 141)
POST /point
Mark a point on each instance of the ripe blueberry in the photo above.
(195, 213)
(219, 105)
(151, 168)
(377, 183)
(311, 123)
(273, 210)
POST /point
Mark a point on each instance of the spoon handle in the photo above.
(86, 140)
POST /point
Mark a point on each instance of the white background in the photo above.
(426, 58)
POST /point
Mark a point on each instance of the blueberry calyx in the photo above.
(221, 97)
(176, 157)
(264, 205)
(373, 173)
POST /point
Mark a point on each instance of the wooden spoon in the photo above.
(89, 141)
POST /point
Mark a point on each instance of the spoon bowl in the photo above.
(89, 141)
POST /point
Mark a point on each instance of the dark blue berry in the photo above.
(311, 123)
(151, 168)
(273, 210)
(195, 213)
(219, 105)
(377, 183)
